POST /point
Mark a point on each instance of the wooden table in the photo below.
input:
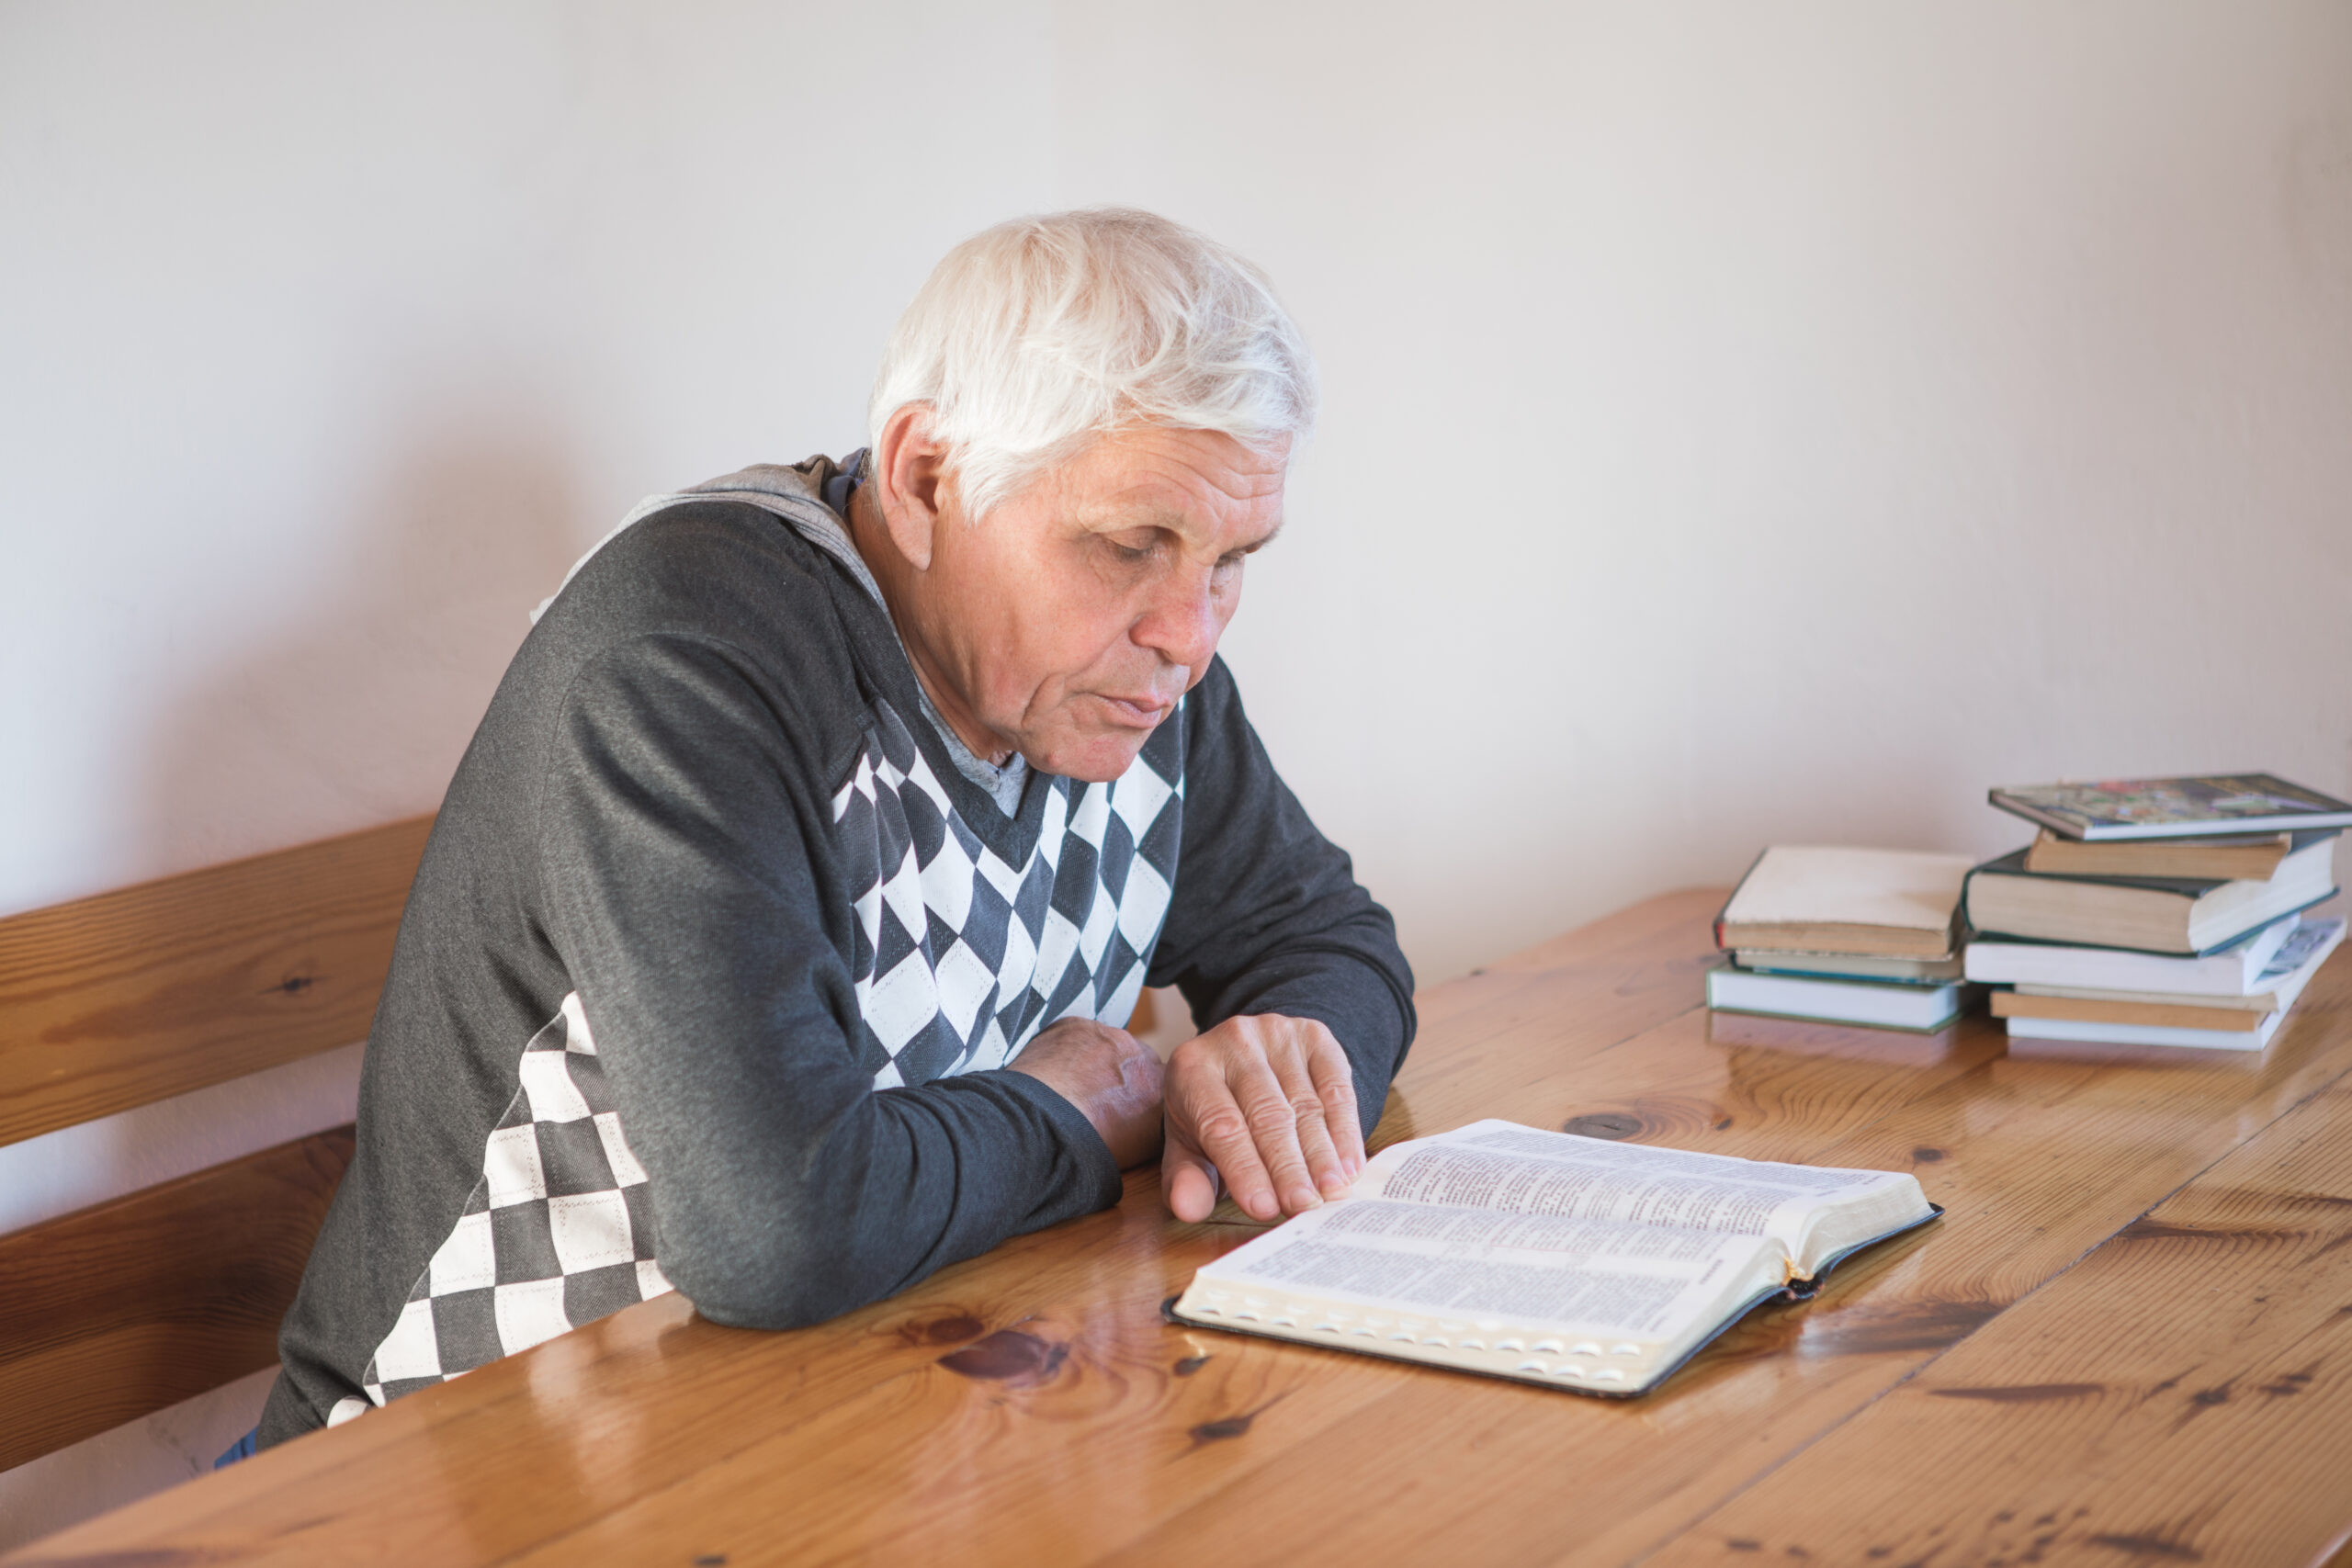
(2129, 1341)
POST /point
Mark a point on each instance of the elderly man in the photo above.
(773, 940)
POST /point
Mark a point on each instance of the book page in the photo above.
(1476, 1269)
(1504, 1166)
(1542, 1256)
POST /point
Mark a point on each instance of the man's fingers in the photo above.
(1223, 1133)
(1272, 1109)
(1187, 1181)
(1320, 1085)
(1325, 1166)
(1270, 1102)
(1335, 1087)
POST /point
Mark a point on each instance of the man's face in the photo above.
(1069, 620)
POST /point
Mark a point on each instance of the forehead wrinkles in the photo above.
(1189, 501)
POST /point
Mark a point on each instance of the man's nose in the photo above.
(1184, 620)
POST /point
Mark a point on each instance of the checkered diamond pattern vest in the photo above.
(959, 959)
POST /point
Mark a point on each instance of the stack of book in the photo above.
(1844, 936)
(2158, 912)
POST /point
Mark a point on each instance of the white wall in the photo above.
(1745, 421)
(1756, 422)
(329, 335)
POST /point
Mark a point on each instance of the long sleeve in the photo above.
(1267, 916)
(681, 854)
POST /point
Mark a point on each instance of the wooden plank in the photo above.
(1100, 1433)
(115, 1311)
(2183, 1395)
(135, 996)
(529, 1448)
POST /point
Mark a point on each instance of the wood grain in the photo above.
(635, 1406)
(2184, 1395)
(1032, 1406)
(2037, 1162)
(117, 1310)
(138, 995)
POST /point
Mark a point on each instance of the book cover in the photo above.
(2232, 858)
(2202, 804)
(2274, 990)
(2181, 916)
(2234, 969)
(2013, 865)
(2071, 1030)
(1873, 1003)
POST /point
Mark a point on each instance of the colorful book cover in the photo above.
(2162, 809)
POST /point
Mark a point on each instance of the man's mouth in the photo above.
(1143, 712)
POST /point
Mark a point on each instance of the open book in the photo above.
(1573, 1262)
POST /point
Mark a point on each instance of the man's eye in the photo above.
(1134, 554)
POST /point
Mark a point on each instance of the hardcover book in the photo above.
(1824, 898)
(2156, 914)
(2232, 970)
(1877, 1004)
(2281, 984)
(2254, 856)
(2088, 1034)
(2274, 990)
(2195, 805)
(2163, 1015)
(1849, 965)
(1572, 1262)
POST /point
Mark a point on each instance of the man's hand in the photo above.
(1109, 1075)
(1268, 1102)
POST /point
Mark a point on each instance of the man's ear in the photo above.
(909, 481)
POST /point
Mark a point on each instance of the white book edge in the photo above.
(2284, 986)
(1886, 1003)
(2229, 973)
(2083, 1032)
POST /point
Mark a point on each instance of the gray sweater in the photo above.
(715, 962)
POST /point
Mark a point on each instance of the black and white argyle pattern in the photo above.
(960, 959)
(557, 1232)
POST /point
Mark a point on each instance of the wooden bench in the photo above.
(119, 1001)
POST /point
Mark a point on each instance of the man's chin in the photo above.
(1097, 758)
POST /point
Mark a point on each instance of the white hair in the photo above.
(1032, 339)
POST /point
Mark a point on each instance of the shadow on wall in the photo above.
(358, 711)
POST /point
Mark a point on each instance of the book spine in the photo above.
(2015, 807)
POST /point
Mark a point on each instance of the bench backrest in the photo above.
(132, 997)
